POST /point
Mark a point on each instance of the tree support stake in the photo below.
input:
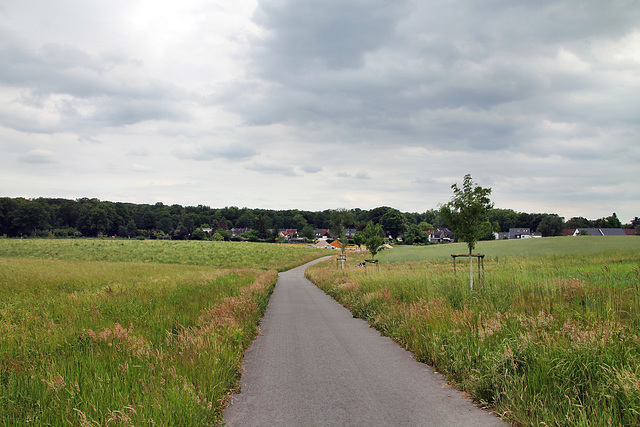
(480, 258)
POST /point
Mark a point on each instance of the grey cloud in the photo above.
(333, 33)
(271, 169)
(89, 139)
(237, 152)
(311, 168)
(88, 94)
(55, 68)
(478, 75)
(426, 184)
(139, 152)
(70, 117)
(134, 111)
(63, 56)
(37, 156)
(477, 28)
(362, 175)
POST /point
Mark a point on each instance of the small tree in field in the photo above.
(343, 240)
(466, 214)
(373, 240)
(359, 239)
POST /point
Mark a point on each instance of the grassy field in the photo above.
(102, 332)
(551, 338)
(265, 256)
(580, 245)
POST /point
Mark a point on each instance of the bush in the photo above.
(66, 232)
(199, 235)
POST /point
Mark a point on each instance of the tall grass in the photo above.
(579, 245)
(547, 340)
(266, 256)
(89, 338)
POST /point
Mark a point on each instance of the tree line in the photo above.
(90, 217)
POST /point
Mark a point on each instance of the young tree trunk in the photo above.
(471, 271)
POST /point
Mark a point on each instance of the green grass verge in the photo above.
(551, 339)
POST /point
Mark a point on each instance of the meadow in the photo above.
(114, 332)
(583, 245)
(266, 256)
(551, 337)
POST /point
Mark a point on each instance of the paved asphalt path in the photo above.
(316, 365)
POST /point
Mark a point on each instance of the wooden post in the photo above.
(373, 262)
(471, 271)
(480, 258)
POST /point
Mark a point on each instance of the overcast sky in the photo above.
(326, 104)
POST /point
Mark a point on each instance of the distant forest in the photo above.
(53, 217)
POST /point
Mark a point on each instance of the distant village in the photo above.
(526, 233)
(324, 239)
(291, 235)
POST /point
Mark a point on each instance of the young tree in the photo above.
(343, 245)
(373, 234)
(344, 241)
(359, 239)
(466, 214)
